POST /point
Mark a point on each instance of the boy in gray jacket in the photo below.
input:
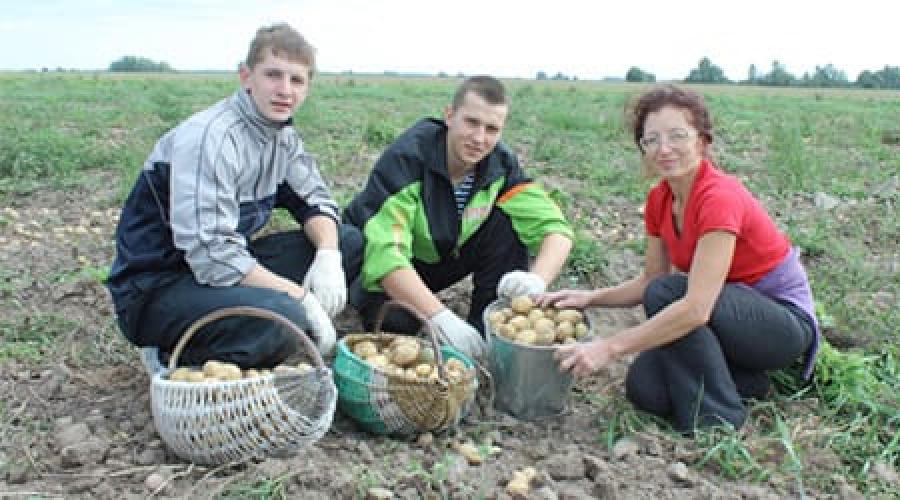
(183, 242)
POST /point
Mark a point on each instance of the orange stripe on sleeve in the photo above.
(514, 191)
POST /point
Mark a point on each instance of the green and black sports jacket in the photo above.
(407, 209)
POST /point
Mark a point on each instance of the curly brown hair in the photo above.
(669, 95)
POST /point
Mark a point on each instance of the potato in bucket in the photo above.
(522, 339)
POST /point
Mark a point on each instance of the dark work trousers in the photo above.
(246, 341)
(700, 379)
(494, 250)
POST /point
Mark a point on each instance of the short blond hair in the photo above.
(283, 41)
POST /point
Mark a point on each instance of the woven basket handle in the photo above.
(256, 312)
(432, 331)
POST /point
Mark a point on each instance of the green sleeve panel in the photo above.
(533, 214)
(389, 237)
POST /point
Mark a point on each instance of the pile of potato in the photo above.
(524, 323)
(217, 371)
(408, 358)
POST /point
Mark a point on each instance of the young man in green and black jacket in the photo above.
(446, 200)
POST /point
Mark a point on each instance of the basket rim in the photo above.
(342, 344)
(252, 311)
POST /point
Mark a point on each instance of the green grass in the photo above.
(32, 338)
(262, 489)
(856, 417)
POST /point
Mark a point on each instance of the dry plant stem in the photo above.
(171, 478)
(209, 474)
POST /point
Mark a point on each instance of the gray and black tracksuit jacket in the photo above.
(207, 187)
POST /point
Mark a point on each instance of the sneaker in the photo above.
(150, 360)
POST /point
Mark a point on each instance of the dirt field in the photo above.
(77, 424)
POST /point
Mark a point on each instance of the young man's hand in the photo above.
(325, 279)
(460, 334)
(516, 283)
(318, 323)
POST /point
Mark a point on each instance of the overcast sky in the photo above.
(589, 39)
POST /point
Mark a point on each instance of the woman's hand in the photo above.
(583, 359)
(565, 299)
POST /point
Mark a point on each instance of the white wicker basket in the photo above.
(218, 422)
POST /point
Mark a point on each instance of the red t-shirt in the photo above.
(717, 202)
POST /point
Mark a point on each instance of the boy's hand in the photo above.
(460, 334)
(516, 283)
(319, 324)
(325, 279)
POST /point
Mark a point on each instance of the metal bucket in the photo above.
(527, 381)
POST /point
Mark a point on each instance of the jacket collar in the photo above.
(260, 126)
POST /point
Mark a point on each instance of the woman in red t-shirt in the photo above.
(724, 292)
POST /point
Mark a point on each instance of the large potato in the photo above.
(535, 314)
(570, 315)
(545, 337)
(221, 371)
(179, 374)
(544, 325)
(564, 330)
(507, 331)
(496, 318)
(405, 353)
(520, 323)
(522, 304)
(527, 337)
(423, 370)
(195, 376)
(379, 361)
(365, 349)
(212, 368)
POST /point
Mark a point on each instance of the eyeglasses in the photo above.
(677, 139)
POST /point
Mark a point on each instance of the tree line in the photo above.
(705, 72)
(778, 75)
(140, 64)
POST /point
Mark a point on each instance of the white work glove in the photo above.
(516, 283)
(325, 279)
(460, 334)
(318, 323)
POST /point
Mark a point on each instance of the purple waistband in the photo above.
(788, 283)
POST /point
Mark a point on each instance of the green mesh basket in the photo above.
(388, 403)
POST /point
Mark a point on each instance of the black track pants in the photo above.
(169, 310)
(700, 379)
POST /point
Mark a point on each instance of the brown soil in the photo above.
(75, 421)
